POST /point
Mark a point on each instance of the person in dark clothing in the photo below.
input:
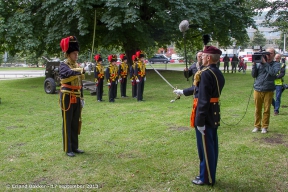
(191, 71)
(278, 85)
(234, 63)
(205, 114)
(71, 95)
(226, 61)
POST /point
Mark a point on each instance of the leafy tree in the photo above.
(258, 39)
(280, 42)
(277, 16)
(38, 25)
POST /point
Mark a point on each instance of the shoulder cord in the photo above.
(219, 102)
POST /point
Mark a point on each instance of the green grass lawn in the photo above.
(132, 146)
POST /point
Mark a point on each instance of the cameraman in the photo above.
(278, 85)
(264, 73)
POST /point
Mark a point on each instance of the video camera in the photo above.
(257, 56)
(284, 86)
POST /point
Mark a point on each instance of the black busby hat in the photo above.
(69, 44)
(140, 54)
(123, 57)
(112, 58)
(98, 58)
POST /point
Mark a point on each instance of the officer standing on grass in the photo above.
(71, 95)
(99, 76)
(111, 74)
(140, 75)
(133, 76)
(206, 114)
(123, 73)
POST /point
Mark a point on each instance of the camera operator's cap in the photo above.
(140, 54)
(98, 58)
(69, 44)
(212, 50)
(123, 57)
(112, 58)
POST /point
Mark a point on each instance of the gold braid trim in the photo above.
(197, 76)
(71, 64)
(69, 79)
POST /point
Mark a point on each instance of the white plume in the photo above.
(184, 26)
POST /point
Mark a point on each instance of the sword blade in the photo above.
(162, 77)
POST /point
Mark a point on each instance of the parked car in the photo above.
(158, 58)
(248, 58)
(21, 65)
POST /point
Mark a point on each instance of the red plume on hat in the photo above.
(98, 58)
(139, 54)
(69, 44)
(134, 58)
(109, 58)
(123, 56)
(112, 58)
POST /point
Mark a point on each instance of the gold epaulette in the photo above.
(69, 79)
(197, 76)
(72, 78)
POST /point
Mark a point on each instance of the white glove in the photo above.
(132, 80)
(178, 91)
(109, 84)
(137, 80)
(201, 129)
(82, 103)
(144, 78)
(120, 79)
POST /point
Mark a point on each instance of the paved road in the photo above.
(19, 74)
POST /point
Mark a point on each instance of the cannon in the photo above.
(52, 79)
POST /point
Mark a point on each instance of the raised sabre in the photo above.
(178, 96)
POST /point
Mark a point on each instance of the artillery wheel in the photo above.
(49, 86)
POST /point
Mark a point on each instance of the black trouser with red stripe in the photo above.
(123, 86)
(70, 116)
(112, 91)
(99, 89)
(134, 88)
(140, 89)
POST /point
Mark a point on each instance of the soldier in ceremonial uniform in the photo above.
(99, 76)
(71, 95)
(133, 76)
(140, 74)
(111, 74)
(122, 73)
(206, 114)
